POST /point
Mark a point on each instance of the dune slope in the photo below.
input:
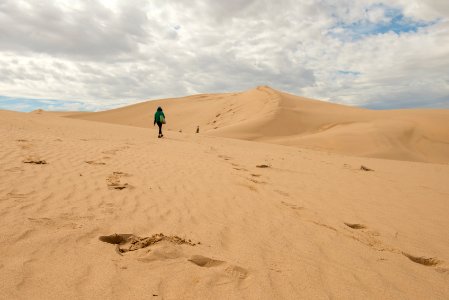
(104, 211)
(264, 114)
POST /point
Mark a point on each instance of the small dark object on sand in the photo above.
(36, 162)
(262, 166)
(197, 129)
(363, 168)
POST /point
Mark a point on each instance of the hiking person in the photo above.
(159, 118)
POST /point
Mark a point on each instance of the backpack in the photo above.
(162, 119)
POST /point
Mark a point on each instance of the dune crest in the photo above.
(267, 115)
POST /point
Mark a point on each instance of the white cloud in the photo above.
(105, 53)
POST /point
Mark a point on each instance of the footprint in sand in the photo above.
(263, 166)
(292, 206)
(114, 151)
(17, 195)
(235, 166)
(130, 242)
(355, 226)
(248, 186)
(205, 262)
(224, 157)
(164, 251)
(114, 183)
(95, 163)
(238, 167)
(115, 239)
(428, 262)
(34, 161)
(368, 237)
(363, 168)
(256, 181)
(232, 271)
(237, 272)
(425, 261)
(14, 195)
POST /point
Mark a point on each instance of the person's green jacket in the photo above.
(157, 116)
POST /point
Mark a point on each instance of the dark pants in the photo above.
(159, 124)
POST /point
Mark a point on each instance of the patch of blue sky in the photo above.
(439, 103)
(393, 21)
(27, 104)
(348, 72)
(411, 101)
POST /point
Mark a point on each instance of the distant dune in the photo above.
(266, 115)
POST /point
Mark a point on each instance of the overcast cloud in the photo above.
(98, 54)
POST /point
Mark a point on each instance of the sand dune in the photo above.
(105, 211)
(264, 114)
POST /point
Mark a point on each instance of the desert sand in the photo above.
(269, 201)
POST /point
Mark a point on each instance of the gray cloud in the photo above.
(91, 31)
(106, 53)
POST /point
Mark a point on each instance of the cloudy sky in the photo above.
(99, 54)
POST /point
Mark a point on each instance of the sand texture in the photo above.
(93, 210)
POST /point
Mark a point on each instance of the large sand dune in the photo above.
(224, 218)
(264, 114)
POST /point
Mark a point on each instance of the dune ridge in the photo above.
(267, 115)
